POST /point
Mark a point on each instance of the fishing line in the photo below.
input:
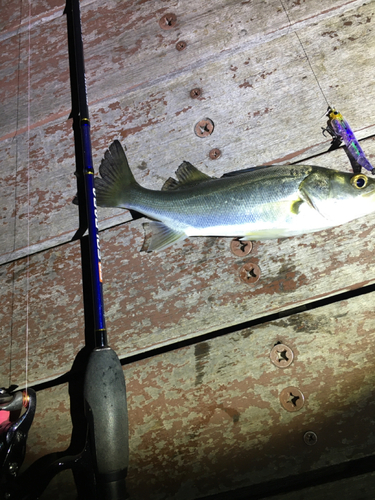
(28, 199)
(307, 57)
(16, 193)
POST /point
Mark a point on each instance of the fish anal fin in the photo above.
(158, 236)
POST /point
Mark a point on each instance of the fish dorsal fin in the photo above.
(187, 173)
(170, 184)
(187, 176)
(246, 170)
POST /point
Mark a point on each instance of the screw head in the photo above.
(250, 273)
(168, 21)
(214, 154)
(204, 128)
(240, 248)
(281, 355)
(292, 399)
(195, 93)
(310, 438)
(181, 45)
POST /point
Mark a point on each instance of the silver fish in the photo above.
(257, 203)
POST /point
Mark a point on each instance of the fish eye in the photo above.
(359, 181)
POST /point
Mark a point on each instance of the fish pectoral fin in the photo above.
(310, 201)
(162, 236)
(315, 190)
(305, 197)
(187, 176)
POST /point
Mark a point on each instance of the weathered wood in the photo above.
(188, 290)
(127, 40)
(207, 418)
(355, 487)
(258, 89)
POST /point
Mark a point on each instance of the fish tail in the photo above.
(114, 186)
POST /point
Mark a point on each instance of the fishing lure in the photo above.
(340, 131)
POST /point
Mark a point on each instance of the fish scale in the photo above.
(231, 197)
(257, 203)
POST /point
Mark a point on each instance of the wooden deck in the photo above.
(204, 409)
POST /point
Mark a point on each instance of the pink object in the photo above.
(4, 421)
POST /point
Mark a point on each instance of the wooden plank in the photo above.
(130, 37)
(207, 418)
(198, 415)
(255, 91)
(62, 487)
(190, 289)
(34, 74)
(357, 487)
(15, 16)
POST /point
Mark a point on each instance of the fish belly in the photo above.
(277, 223)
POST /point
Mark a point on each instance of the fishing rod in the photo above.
(104, 383)
(99, 452)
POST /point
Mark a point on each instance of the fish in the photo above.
(258, 203)
(340, 131)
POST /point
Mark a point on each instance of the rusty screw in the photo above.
(292, 399)
(181, 45)
(250, 273)
(240, 248)
(214, 154)
(281, 355)
(310, 438)
(204, 128)
(168, 21)
(194, 93)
